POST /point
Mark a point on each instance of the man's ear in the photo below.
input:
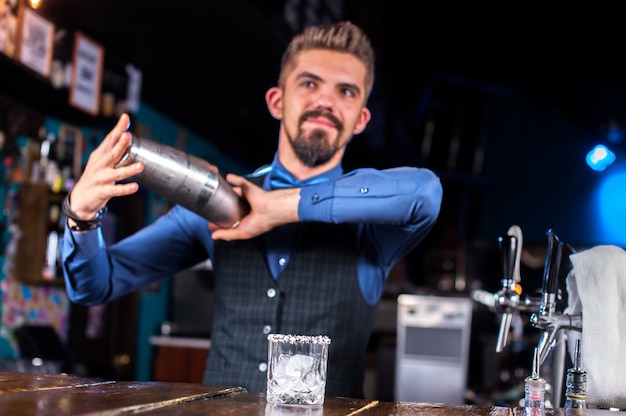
(274, 101)
(361, 123)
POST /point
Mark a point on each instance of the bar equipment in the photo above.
(432, 348)
(534, 391)
(576, 385)
(186, 180)
(549, 321)
(508, 301)
(547, 318)
(544, 315)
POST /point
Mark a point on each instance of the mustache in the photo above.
(321, 113)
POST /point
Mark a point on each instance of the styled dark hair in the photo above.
(340, 37)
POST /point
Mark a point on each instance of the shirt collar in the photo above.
(277, 169)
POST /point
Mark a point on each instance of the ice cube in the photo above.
(312, 379)
(299, 364)
(280, 368)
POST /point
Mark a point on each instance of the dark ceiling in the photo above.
(208, 63)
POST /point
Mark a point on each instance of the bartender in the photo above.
(312, 254)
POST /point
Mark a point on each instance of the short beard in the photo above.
(315, 149)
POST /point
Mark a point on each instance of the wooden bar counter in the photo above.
(25, 394)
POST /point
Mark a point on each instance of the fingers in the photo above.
(118, 138)
(122, 125)
(117, 131)
(115, 142)
(228, 234)
(125, 189)
(236, 180)
(124, 172)
(100, 179)
(121, 146)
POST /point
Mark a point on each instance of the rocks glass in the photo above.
(297, 369)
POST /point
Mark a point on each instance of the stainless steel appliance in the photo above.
(432, 352)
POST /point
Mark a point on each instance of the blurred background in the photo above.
(505, 102)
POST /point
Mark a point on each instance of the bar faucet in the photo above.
(508, 300)
(551, 322)
(547, 319)
(544, 315)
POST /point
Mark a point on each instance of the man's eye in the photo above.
(348, 92)
(308, 84)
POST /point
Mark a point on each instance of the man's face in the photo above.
(323, 104)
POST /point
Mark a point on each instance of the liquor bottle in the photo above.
(534, 391)
(576, 386)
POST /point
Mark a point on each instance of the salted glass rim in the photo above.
(299, 339)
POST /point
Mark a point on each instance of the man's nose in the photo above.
(324, 99)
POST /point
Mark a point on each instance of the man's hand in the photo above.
(98, 182)
(268, 209)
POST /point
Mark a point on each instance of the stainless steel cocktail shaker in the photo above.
(185, 180)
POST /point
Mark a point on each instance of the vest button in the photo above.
(282, 261)
(364, 190)
(267, 329)
(271, 292)
(315, 198)
(262, 367)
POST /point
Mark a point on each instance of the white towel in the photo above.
(596, 287)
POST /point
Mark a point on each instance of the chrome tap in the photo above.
(507, 300)
(544, 315)
(547, 319)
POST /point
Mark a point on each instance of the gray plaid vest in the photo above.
(317, 293)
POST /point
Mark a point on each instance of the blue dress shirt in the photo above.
(395, 209)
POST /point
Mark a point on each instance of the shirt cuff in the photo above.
(316, 202)
(88, 241)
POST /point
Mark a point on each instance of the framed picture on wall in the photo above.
(87, 67)
(8, 27)
(35, 42)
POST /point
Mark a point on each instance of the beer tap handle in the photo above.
(508, 297)
(547, 319)
(516, 231)
(551, 273)
(508, 251)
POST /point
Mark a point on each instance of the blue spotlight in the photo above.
(600, 157)
(611, 205)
